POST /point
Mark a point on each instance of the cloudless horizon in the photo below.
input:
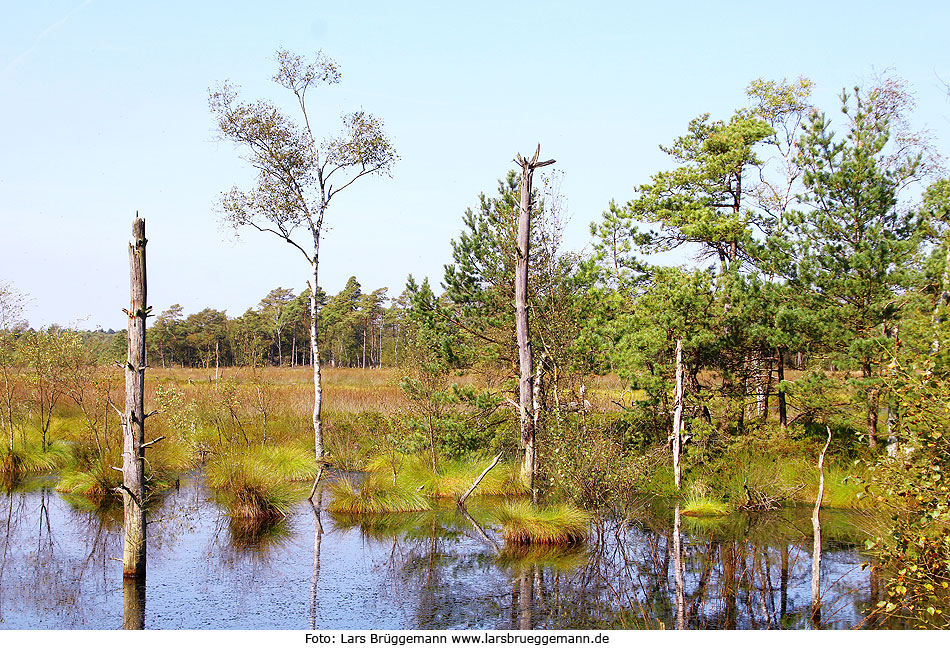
(105, 107)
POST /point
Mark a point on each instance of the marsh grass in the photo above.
(455, 476)
(31, 459)
(557, 525)
(377, 496)
(292, 462)
(702, 506)
(95, 480)
(251, 488)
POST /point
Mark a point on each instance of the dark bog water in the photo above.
(418, 571)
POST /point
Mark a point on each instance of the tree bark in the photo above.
(816, 549)
(678, 413)
(315, 355)
(133, 420)
(782, 409)
(522, 332)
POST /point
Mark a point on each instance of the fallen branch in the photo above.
(494, 462)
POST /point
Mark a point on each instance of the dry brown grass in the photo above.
(350, 390)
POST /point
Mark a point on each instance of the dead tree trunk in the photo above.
(782, 410)
(522, 332)
(133, 420)
(816, 549)
(678, 413)
(678, 571)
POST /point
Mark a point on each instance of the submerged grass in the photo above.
(557, 525)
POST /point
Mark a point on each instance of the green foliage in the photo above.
(914, 488)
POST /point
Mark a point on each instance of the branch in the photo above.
(149, 444)
(461, 500)
(331, 193)
(123, 488)
(283, 236)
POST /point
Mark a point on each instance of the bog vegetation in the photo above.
(815, 301)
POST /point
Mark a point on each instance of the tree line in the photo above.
(360, 330)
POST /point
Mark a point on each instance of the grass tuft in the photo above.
(375, 496)
(703, 506)
(557, 525)
(95, 481)
(251, 488)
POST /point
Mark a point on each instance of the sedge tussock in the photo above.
(555, 525)
(374, 496)
(251, 488)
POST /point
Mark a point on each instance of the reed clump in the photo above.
(31, 458)
(251, 488)
(375, 496)
(95, 480)
(452, 477)
(556, 525)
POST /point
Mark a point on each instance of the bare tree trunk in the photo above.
(782, 410)
(678, 413)
(133, 420)
(765, 390)
(816, 550)
(678, 572)
(892, 332)
(873, 403)
(315, 357)
(529, 464)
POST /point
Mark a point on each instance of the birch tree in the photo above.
(298, 175)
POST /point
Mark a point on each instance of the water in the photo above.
(418, 571)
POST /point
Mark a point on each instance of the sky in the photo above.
(104, 107)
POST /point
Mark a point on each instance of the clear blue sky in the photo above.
(104, 112)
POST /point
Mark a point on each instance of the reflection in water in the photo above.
(430, 570)
(315, 506)
(133, 603)
(678, 569)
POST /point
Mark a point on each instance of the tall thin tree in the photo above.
(296, 173)
(523, 335)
